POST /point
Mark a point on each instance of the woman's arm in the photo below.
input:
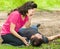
(27, 24)
(12, 30)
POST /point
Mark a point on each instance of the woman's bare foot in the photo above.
(1, 40)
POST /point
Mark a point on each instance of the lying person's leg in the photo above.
(34, 28)
(53, 37)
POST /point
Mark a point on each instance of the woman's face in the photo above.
(31, 12)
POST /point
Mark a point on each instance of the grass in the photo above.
(6, 5)
(52, 45)
(48, 4)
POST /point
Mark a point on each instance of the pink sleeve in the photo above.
(13, 18)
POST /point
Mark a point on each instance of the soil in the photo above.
(50, 21)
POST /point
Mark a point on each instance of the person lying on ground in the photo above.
(35, 37)
(30, 34)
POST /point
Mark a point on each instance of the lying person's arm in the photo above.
(53, 37)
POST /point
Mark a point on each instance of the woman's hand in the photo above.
(24, 40)
(28, 23)
(12, 27)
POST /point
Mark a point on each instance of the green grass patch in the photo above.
(52, 45)
(7, 5)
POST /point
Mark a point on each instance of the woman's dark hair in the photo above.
(36, 42)
(24, 8)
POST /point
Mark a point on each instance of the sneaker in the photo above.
(38, 25)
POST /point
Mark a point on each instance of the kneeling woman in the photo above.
(16, 20)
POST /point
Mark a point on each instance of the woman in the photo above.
(17, 19)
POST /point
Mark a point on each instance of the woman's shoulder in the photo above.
(15, 12)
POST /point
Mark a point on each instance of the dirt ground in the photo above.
(50, 21)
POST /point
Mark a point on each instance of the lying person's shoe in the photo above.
(38, 25)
